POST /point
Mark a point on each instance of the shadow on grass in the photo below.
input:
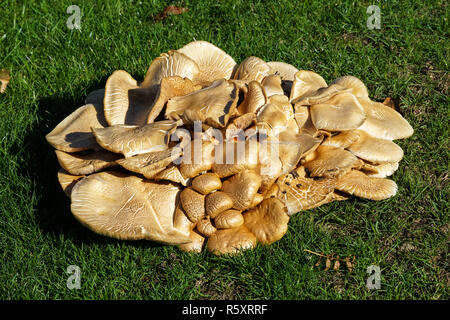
(53, 206)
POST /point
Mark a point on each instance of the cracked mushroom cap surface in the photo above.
(213, 62)
(133, 140)
(359, 184)
(268, 221)
(217, 202)
(242, 188)
(231, 241)
(127, 207)
(74, 134)
(229, 219)
(193, 204)
(82, 164)
(206, 183)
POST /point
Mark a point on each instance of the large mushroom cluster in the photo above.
(207, 153)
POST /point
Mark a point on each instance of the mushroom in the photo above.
(127, 207)
(239, 124)
(252, 68)
(213, 105)
(205, 227)
(74, 134)
(341, 112)
(384, 122)
(217, 202)
(172, 173)
(207, 183)
(82, 164)
(213, 62)
(268, 221)
(181, 221)
(197, 157)
(359, 89)
(125, 102)
(343, 139)
(195, 244)
(232, 157)
(380, 170)
(254, 98)
(321, 95)
(242, 188)
(272, 85)
(359, 184)
(330, 162)
(68, 181)
(284, 70)
(305, 83)
(231, 241)
(375, 150)
(229, 219)
(193, 204)
(132, 140)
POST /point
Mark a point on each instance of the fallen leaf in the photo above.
(349, 264)
(336, 265)
(4, 79)
(170, 10)
(327, 264)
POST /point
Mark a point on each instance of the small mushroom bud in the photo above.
(205, 227)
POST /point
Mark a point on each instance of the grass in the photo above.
(53, 68)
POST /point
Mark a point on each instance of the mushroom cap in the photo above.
(321, 95)
(300, 193)
(193, 204)
(217, 202)
(132, 140)
(239, 124)
(82, 164)
(272, 85)
(127, 207)
(342, 139)
(170, 87)
(359, 184)
(381, 170)
(74, 132)
(206, 183)
(242, 188)
(358, 87)
(152, 163)
(305, 83)
(231, 241)
(285, 70)
(268, 222)
(330, 162)
(273, 117)
(68, 181)
(384, 122)
(170, 64)
(341, 112)
(252, 68)
(205, 227)
(181, 221)
(375, 150)
(195, 244)
(172, 173)
(213, 62)
(229, 219)
(254, 99)
(125, 102)
(213, 105)
(301, 114)
(197, 158)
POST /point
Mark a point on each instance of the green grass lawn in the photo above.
(53, 68)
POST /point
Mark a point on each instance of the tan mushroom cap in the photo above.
(272, 118)
(213, 62)
(170, 64)
(321, 95)
(68, 181)
(197, 158)
(212, 105)
(82, 164)
(359, 184)
(232, 157)
(305, 83)
(375, 150)
(74, 134)
(193, 204)
(341, 112)
(217, 202)
(172, 173)
(152, 163)
(242, 188)
(272, 85)
(205, 227)
(285, 106)
(381, 170)
(206, 183)
(384, 122)
(300, 193)
(301, 114)
(132, 140)
(239, 124)
(125, 102)
(257, 199)
(127, 207)
(285, 70)
(195, 244)
(254, 98)
(170, 87)
(252, 68)
(229, 219)
(268, 222)
(181, 221)
(330, 162)
(359, 89)
(342, 139)
(231, 241)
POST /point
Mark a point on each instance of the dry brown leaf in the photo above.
(336, 265)
(4, 79)
(349, 264)
(170, 10)
(327, 264)
(318, 262)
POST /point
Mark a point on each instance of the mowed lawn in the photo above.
(53, 68)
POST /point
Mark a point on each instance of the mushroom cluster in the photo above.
(207, 153)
